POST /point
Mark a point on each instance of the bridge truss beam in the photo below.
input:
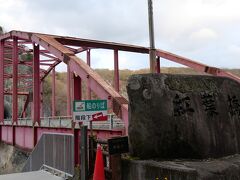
(57, 49)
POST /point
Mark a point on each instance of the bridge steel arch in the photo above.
(58, 49)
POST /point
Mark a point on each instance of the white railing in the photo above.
(57, 121)
(66, 122)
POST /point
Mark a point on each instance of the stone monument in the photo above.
(184, 117)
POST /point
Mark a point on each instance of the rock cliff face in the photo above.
(12, 160)
(183, 116)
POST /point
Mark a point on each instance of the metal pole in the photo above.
(116, 71)
(152, 52)
(88, 63)
(84, 153)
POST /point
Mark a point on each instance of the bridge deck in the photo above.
(36, 175)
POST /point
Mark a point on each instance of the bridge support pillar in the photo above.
(53, 92)
(89, 64)
(116, 71)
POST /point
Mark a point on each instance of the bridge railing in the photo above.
(66, 122)
(57, 121)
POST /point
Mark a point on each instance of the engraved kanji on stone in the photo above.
(233, 104)
(181, 105)
(209, 103)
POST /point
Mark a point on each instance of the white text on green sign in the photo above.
(90, 105)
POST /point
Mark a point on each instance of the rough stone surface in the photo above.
(227, 168)
(12, 160)
(183, 116)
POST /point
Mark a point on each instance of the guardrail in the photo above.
(56, 172)
(55, 151)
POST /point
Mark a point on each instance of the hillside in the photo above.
(108, 77)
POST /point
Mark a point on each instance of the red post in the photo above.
(14, 87)
(25, 107)
(41, 98)
(116, 71)
(53, 92)
(15, 81)
(89, 64)
(77, 95)
(36, 85)
(69, 111)
(77, 92)
(76, 133)
(158, 65)
(1, 81)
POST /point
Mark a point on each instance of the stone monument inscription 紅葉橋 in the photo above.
(183, 116)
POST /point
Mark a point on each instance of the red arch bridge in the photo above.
(49, 51)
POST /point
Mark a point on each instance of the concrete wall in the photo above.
(152, 170)
(227, 168)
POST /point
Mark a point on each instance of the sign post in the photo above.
(89, 111)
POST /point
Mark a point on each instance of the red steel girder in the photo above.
(46, 72)
(19, 93)
(15, 80)
(1, 81)
(53, 92)
(71, 41)
(195, 65)
(69, 83)
(96, 83)
(100, 44)
(25, 107)
(55, 46)
(36, 85)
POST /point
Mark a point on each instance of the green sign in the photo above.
(90, 110)
(89, 105)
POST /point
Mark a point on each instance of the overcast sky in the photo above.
(204, 30)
